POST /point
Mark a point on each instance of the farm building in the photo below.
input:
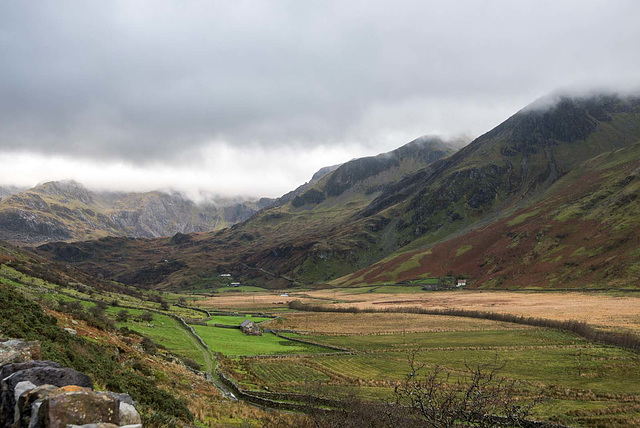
(462, 283)
(250, 328)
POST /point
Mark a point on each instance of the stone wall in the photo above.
(43, 394)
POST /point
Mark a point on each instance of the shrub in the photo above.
(122, 316)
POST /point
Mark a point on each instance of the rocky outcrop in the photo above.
(312, 196)
(45, 394)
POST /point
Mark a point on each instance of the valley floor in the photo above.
(612, 311)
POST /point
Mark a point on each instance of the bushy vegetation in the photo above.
(94, 316)
(23, 318)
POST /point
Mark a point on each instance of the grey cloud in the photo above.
(149, 81)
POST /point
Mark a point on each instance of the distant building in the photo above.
(462, 283)
(226, 275)
(284, 295)
(235, 284)
(250, 328)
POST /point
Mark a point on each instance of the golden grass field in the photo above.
(608, 311)
(367, 323)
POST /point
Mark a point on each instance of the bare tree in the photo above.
(482, 398)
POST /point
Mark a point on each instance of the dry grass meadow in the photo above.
(368, 323)
(608, 311)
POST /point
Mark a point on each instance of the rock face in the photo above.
(66, 210)
(79, 407)
(44, 394)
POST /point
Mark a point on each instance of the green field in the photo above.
(165, 331)
(233, 320)
(585, 384)
(240, 289)
(286, 371)
(233, 342)
(452, 339)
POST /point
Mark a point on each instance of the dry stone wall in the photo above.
(43, 394)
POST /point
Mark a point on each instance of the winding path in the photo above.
(208, 359)
(205, 352)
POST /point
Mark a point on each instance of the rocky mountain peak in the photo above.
(68, 190)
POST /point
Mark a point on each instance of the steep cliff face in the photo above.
(62, 211)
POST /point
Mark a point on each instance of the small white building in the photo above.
(461, 283)
(225, 275)
(235, 284)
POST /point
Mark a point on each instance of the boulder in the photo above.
(29, 403)
(124, 398)
(9, 369)
(38, 376)
(18, 351)
(128, 414)
(79, 408)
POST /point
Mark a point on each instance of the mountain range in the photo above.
(68, 211)
(548, 198)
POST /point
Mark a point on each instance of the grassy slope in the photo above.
(168, 394)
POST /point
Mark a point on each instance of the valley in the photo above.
(509, 267)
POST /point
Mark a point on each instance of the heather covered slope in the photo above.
(361, 213)
(583, 233)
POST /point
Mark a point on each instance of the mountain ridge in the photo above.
(66, 210)
(509, 168)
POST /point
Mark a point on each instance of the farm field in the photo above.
(233, 342)
(234, 320)
(612, 311)
(584, 384)
(368, 323)
(165, 331)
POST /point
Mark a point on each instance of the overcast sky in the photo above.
(252, 97)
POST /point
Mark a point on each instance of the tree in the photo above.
(481, 399)
(164, 305)
(146, 316)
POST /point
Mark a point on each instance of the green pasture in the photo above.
(241, 288)
(165, 331)
(285, 371)
(233, 342)
(234, 320)
(451, 339)
(586, 384)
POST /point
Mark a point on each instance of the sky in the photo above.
(252, 97)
